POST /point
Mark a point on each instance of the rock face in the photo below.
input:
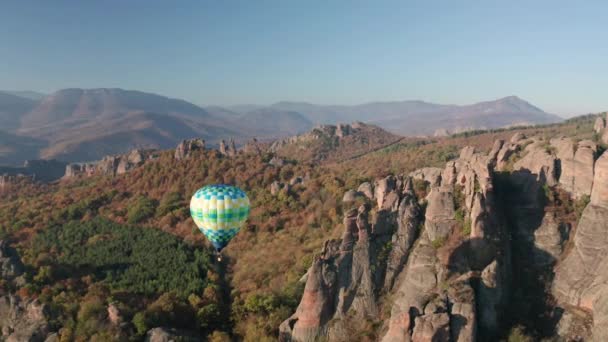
(186, 147)
(23, 320)
(576, 165)
(439, 214)
(344, 282)
(581, 279)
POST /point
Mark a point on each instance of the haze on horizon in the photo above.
(551, 53)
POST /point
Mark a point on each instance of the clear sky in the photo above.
(552, 53)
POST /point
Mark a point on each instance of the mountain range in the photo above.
(86, 124)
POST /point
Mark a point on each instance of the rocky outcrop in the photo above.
(484, 231)
(130, 161)
(76, 170)
(322, 131)
(228, 150)
(170, 335)
(599, 126)
(186, 147)
(428, 174)
(576, 165)
(367, 189)
(114, 314)
(253, 147)
(433, 277)
(344, 282)
(116, 165)
(23, 320)
(581, 279)
(539, 161)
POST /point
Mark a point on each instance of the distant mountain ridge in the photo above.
(423, 118)
(86, 124)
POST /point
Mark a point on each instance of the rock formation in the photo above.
(114, 165)
(186, 147)
(23, 320)
(229, 149)
(432, 287)
(581, 279)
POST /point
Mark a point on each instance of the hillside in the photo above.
(270, 123)
(15, 149)
(12, 108)
(423, 118)
(91, 291)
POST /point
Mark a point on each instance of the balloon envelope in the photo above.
(219, 211)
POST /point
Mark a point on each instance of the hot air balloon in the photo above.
(219, 211)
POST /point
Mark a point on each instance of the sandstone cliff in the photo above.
(473, 258)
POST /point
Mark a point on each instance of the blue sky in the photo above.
(552, 53)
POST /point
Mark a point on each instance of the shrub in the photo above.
(438, 242)
(518, 334)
